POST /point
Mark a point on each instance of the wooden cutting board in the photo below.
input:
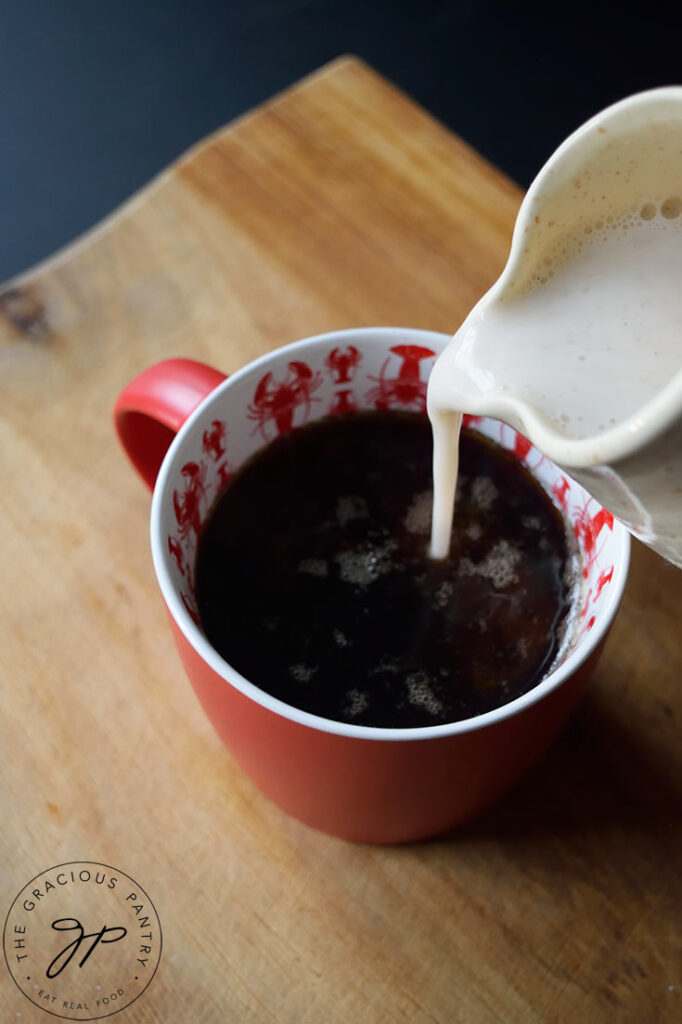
(338, 204)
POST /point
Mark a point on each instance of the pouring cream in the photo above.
(579, 343)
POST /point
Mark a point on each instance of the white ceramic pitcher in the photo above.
(633, 467)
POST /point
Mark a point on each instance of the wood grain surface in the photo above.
(337, 204)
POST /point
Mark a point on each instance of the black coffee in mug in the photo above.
(314, 581)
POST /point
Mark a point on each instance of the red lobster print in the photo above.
(521, 446)
(343, 364)
(213, 443)
(276, 401)
(213, 440)
(560, 489)
(587, 529)
(407, 390)
(344, 402)
(187, 506)
(604, 577)
(175, 549)
(224, 475)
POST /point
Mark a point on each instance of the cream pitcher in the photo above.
(578, 345)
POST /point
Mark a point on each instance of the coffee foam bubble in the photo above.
(303, 673)
(350, 507)
(442, 595)
(357, 701)
(498, 565)
(484, 493)
(363, 565)
(531, 522)
(340, 639)
(420, 693)
(418, 516)
(390, 665)
(314, 567)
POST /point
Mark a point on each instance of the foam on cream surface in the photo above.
(598, 335)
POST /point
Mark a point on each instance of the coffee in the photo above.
(314, 581)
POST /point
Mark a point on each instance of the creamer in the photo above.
(579, 343)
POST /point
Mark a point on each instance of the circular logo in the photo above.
(82, 940)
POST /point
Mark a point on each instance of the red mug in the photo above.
(187, 428)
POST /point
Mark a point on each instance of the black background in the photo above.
(97, 96)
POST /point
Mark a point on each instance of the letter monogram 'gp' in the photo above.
(69, 924)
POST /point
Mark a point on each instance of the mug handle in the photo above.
(151, 409)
